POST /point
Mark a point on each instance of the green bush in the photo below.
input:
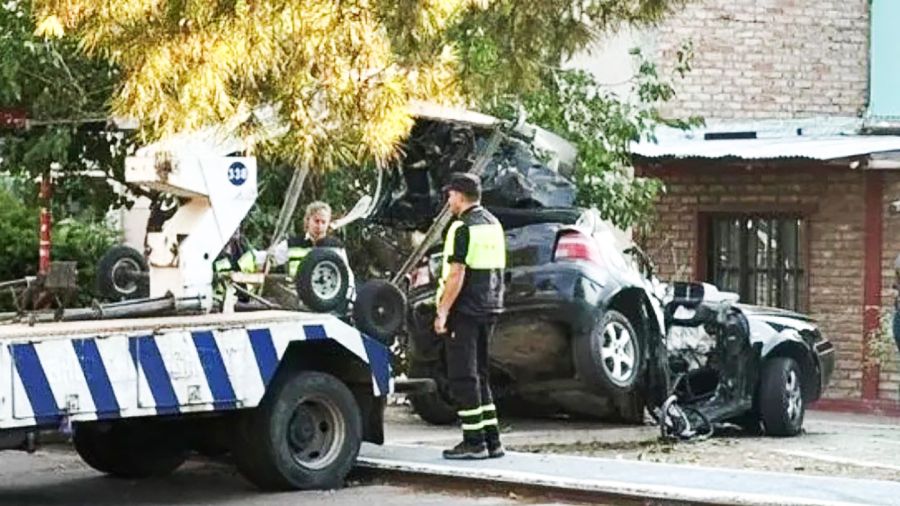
(18, 237)
(74, 240)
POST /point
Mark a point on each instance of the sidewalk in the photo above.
(618, 460)
(605, 477)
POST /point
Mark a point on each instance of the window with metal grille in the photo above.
(762, 258)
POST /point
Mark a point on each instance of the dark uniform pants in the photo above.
(468, 372)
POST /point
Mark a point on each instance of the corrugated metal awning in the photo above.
(808, 147)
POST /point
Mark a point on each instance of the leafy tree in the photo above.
(340, 73)
(82, 241)
(65, 96)
(602, 126)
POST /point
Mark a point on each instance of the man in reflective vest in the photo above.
(234, 256)
(469, 298)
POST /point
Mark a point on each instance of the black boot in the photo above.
(495, 449)
(467, 451)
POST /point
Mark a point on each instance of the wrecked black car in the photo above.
(588, 330)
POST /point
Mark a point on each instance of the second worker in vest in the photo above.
(469, 298)
(316, 223)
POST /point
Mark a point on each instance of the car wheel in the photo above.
(323, 280)
(435, 407)
(610, 357)
(630, 408)
(781, 403)
(379, 310)
(119, 274)
(306, 434)
(749, 423)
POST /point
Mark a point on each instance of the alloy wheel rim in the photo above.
(794, 396)
(618, 353)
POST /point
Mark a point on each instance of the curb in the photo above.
(582, 489)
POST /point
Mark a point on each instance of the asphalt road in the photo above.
(56, 477)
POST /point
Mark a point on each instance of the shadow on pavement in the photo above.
(197, 482)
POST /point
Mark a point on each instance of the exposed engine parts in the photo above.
(711, 361)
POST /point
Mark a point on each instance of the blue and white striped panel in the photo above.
(173, 372)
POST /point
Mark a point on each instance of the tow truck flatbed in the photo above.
(117, 381)
(91, 370)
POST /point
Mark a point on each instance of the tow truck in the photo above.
(139, 384)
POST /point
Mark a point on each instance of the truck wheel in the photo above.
(379, 310)
(323, 280)
(118, 274)
(305, 435)
(436, 407)
(781, 403)
(126, 449)
(610, 359)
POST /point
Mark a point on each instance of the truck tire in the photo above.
(379, 310)
(609, 359)
(436, 407)
(304, 435)
(781, 403)
(323, 280)
(115, 274)
(126, 449)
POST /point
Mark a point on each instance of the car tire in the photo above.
(112, 277)
(323, 280)
(749, 423)
(630, 408)
(126, 449)
(781, 402)
(379, 310)
(305, 434)
(602, 356)
(435, 407)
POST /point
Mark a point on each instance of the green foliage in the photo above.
(340, 73)
(506, 48)
(65, 96)
(80, 241)
(602, 127)
(18, 237)
(340, 188)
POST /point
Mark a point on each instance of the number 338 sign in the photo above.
(237, 173)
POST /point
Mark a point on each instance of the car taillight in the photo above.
(573, 245)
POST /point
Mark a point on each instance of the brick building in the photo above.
(784, 196)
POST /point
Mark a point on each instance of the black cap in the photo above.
(465, 183)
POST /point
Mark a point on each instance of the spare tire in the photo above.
(323, 280)
(121, 274)
(379, 310)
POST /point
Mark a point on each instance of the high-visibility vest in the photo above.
(487, 250)
(247, 262)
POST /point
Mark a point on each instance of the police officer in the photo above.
(469, 298)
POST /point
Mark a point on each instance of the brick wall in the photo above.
(889, 381)
(769, 58)
(835, 239)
